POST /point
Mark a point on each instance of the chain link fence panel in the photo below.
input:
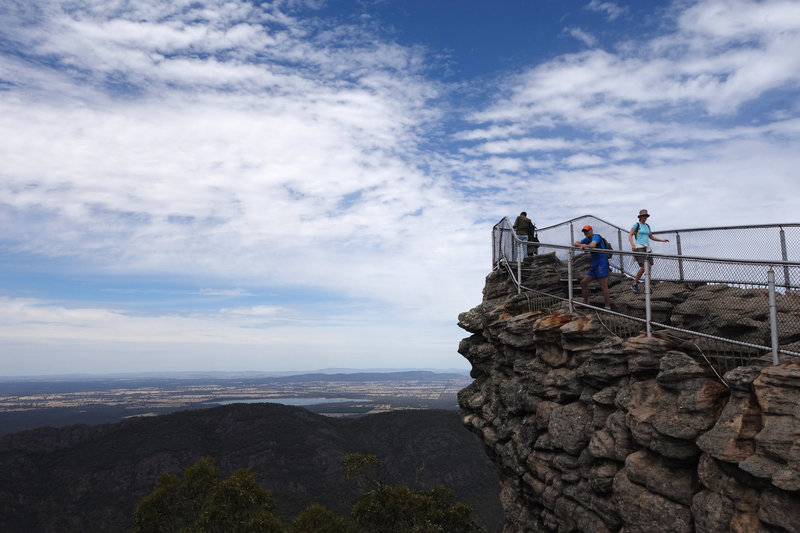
(713, 303)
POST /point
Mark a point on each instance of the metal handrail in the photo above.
(516, 245)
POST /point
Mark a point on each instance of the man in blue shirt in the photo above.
(599, 269)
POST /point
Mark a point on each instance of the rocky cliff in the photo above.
(593, 432)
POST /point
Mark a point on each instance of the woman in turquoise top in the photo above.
(639, 237)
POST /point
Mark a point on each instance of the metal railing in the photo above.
(744, 282)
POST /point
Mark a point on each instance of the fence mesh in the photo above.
(708, 291)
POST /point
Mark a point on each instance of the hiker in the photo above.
(640, 236)
(599, 268)
(524, 229)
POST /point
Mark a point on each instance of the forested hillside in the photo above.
(89, 478)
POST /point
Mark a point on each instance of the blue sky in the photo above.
(296, 185)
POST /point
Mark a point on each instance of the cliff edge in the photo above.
(592, 432)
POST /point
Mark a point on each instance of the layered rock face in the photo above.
(590, 432)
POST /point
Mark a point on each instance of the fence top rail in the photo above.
(679, 230)
(749, 226)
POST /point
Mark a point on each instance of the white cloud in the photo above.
(583, 160)
(58, 339)
(586, 38)
(611, 9)
(659, 111)
(523, 145)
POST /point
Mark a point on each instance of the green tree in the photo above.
(398, 509)
(159, 510)
(202, 503)
(317, 519)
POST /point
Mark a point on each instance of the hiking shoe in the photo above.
(608, 308)
(635, 288)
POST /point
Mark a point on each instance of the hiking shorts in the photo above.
(640, 256)
(598, 270)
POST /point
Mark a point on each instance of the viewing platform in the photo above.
(732, 293)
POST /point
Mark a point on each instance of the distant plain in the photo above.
(59, 401)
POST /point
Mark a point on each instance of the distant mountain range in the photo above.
(89, 478)
(205, 374)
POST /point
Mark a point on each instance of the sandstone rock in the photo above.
(741, 378)
(662, 414)
(600, 505)
(603, 368)
(544, 442)
(498, 286)
(776, 389)
(650, 409)
(512, 396)
(582, 333)
(600, 414)
(726, 480)
(781, 509)
(601, 476)
(746, 523)
(516, 331)
(552, 354)
(645, 512)
(543, 410)
(732, 438)
(777, 452)
(478, 351)
(561, 385)
(676, 367)
(577, 517)
(623, 438)
(473, 396)
(712, 512)
(606, 396)
(570, 426)
(643, 354)
(668, 479)
(602, 444)
(475, 319)
(788, 477)
(603, 406)
(524, 436)
(554, 322)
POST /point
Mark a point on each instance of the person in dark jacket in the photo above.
(525, 230)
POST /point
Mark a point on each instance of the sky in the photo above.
(223, 185)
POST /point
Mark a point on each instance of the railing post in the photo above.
(494, 248)
(519, 267)
(785, 257)
(773, 316)
(647, 306)
(619, 247)
(680, 261)
(569, 267)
